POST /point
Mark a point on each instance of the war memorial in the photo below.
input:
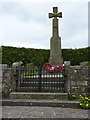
(45, 92)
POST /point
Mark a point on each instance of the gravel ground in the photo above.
(43, 112)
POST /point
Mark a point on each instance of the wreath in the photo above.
(48, 66)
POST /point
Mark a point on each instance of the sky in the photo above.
(26, 24)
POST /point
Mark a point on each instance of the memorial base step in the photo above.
(38, 95)
(41, 103)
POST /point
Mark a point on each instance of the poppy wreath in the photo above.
(47, 66)
(61, 67)
(58, 68)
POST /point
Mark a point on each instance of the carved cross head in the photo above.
(55, 13)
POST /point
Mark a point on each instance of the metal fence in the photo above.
(40, 80)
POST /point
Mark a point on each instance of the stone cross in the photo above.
(55, 14)
(55, 42)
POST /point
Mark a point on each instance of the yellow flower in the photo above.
(86, 98)
(73, 95)
(80, 103)
(86, 105)
(84, 93)
(80, 95)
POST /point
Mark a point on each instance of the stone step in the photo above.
(38, 95)
(42, 103)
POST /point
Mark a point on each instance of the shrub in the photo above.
(84, 100)
(40, 56)
(30, 65)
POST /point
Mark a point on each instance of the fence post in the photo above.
(40, 74)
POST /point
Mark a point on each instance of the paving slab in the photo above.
(43, 112)
(20, 109)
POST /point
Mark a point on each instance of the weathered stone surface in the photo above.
(78, 78)
(55, 51)
(29, 95)
(8, 81)
(40, 102)
(57, 113)
(55, 42)
(68, 73)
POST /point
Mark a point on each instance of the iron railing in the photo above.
(40, 80)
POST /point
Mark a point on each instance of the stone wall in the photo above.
(78, 78)
(8, 81)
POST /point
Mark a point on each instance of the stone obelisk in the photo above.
(55, 41)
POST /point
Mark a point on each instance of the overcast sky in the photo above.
(26, 24)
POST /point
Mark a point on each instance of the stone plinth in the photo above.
(55, 51)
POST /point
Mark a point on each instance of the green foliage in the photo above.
(84, 100)
(72, 97)
(30, 73)
(88, 63)
(76, 56)
(26, 55)
(40, 56)
(30, 65)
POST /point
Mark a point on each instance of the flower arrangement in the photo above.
(84, 100)
(49, 67)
